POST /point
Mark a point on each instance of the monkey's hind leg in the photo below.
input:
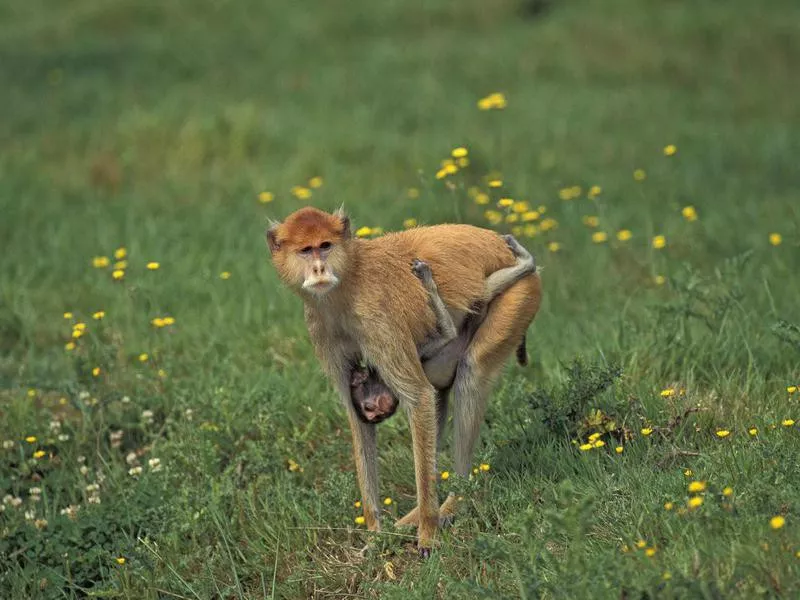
(507, 319)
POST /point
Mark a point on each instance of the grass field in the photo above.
(188, 445)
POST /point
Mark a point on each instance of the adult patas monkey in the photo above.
(362, 301)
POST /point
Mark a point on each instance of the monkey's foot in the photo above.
(424, 553)
(447, 513)
(423, 272)
(518, 249)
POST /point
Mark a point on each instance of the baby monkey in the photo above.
(371, 397)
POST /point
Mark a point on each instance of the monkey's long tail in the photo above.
(522, 352)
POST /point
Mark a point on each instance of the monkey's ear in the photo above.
(345, 220)
(272, 237)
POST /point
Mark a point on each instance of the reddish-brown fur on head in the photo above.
(309, 249)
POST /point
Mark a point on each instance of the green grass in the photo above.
(154, 126)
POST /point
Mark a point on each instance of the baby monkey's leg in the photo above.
(444, 322)
(499, 281)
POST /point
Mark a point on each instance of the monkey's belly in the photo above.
(440, 369)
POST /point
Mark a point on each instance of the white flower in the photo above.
(55, 425)
(84, 395)
(8, 444)
(35, 491)
(30, 515)
(125, 400)
(131, 458)
(94, 499)
(84, 469)
(92, 487)
(155, 464)
(63, 437)
(135, 471)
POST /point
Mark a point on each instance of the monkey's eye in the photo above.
(306, 250)
(325, 245)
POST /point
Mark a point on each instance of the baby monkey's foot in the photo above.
(517, 248)
(423, 272)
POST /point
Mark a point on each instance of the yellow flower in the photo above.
(659, 242)
(619, 449)
(315, 182)
(496, 101)
(520, 207)
(517, 231)
(650, 552)
(670, 150)
(689, 213)
(225, 275)
(441, 174)
(143, 357)
(153, 266)
(623, 235)
(727, 492)
(96, 371)
(791, 389)
(598, 444)
(695, 501)
(482, 198)
(639, 175)
(493, 217)
(31, 439)
(459, 152)
(585, 447)
(595, 191)
(723, 433)
(505, 202)
(647, 431)
(530, 230)
(445, 475)
(118, 274)
(363, 231)
(120, 253)
(697, 486)
(512, 218)
(100, 262)
(409, 223)
(641, 544)
(69, 346)
(548, 224)
(591, 221)
(39, 454)
(775, 239)
(598, 237)
(777, 522)
(659, 280)
(300, 192)
(357, 503)
(76, 333)
(787, 422)
(753, 431)
(413, 193)
(688, 472)
(594, 436)
(157, 322)
(68, 315)
(567, 193)
(359, 520)
(387, 501)
(266, 197)
(530, 215)
(462, 162)
(169, 320)
(483, 467)
(495, 183)
(667, 392)
(450, 169)
(554, 246)
(668, 506)
(120, 265)
(666, 576)
(99, 315)
(121, 560)
(31, 393)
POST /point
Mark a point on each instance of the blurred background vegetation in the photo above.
(172, 130)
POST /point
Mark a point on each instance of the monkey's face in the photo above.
(371, 398)
(309, 249)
